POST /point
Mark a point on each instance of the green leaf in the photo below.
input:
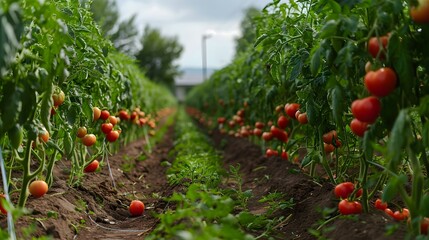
(68, 145)
(260, 39)
(392, 187)
(45, 110)
(338, 104)
(329, 29)
(398, 140)
(315, 62)
(424, 206)
(10, 105)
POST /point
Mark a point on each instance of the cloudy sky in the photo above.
(189, 20)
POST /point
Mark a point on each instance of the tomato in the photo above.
(106, 127)
(2, 209)
(399, 216)
(284, 155)
(359, 192)
(420, 14)
(96, 113)
(279, 109)
(104, 115)
(282, 122)
(123, 115)
(343, 190)
(374, 46)
(81, 132)
(38, 188)
(406, 212)
(267, 136)
(221, 120)
(291, 108)
(92, 167)
(89, 140)
(240, 113)
(259, 125)
(270, 152)
(389, 212)
(328, 147)
(278, 133)
(368, 66)
(58, 98)
(44, 135)
(16, 135)
(302, 118)
(112, 136)
(133, 115)
(381, 83)
(366, 109)
(380, 205)
(347, 207)
(330, 136)
(136, 208)
(113, 120)
(358, 128)
(424, 226)
(257, 132)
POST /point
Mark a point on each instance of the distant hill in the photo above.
(192, 76)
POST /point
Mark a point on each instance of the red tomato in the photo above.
(96, 113)
(358, 128)
(420, 14)
(278, 133)
(343, 190)
(267, 136)
(282, 122)
(257, 132)
(389, 212)
(221, 120)
(291, 108)
(240, 113)
(270, 152)
(347, 207)
(113, 120)
(106, 127)
(366, 109)
(91, 167)
(424, 226)
(2, 209)
(259, 125)
(104, 115)
(302, 118)
(374, 46)
(328, 147)
(399, 216)
(112, 136)
(58, 98)
(81, 132)
(44, 136)
(38, 188)
(381, 83)
(136, 208)
(284, 155)
(89, 140)
(359, 192)
(123, 115)
(330, 137)
(380, 205)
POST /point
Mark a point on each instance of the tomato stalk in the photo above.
(27, 174)
(325, 163)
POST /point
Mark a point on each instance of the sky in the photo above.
(189, 20)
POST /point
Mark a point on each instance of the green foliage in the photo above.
(157, 56)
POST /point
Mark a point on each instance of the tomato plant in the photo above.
(136, 208)
(38, 188)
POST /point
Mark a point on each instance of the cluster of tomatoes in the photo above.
(346, 191)
(379, 83)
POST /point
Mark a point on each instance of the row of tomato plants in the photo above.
(204, 207)
(344, 80)
(65, 95)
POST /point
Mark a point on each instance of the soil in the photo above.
(96, 210)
